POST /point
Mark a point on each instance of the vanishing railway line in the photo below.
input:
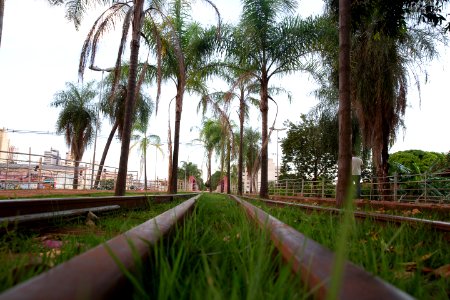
(103, 272)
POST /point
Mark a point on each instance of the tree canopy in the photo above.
(310, 149)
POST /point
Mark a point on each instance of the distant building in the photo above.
(52, 157)
(4, 145)
(68, 161)
(271, 176)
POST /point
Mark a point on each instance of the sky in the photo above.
(40, 52)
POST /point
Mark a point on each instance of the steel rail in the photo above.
(11, 208)
(438, 225)
(95, 274)
(314, 262)
(372, 203)
(55, 214)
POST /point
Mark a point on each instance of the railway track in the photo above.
(444, 208)
(13, 212)
(96, 274)
(438, 225)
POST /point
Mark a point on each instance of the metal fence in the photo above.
(32, 171)
(434, 187)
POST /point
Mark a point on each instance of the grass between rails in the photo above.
(217, 254)
(25, 253)
(414, 259)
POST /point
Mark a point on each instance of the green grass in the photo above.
(403, 255)
(218, 254)
(23, 254)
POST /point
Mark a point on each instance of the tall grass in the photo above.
(406, 256)
(218, 254)
(23, 253)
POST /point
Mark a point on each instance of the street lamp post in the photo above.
(277, 129)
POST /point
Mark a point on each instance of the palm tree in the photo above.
(113, 106)
(185, 62)
(144, 141)
(133, 14)
(270, 47)
(2, 12)
(77, 120)
(345, 129)
(252, 147)
(210, 135)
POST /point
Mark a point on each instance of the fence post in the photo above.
(425, 186)
(395, 186)
(323, 187)
(29, 167)
(115, 178)
(6, 174)
(303, 186)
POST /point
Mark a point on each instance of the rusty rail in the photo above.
(31, 218)
(94, 274)
(10, 208)
(438, 225)
(314, 262)
(367, 203)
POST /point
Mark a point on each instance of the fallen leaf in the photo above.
(418, 245)
(403, 274)
(409, 266)
(426, 256)
(52, 244)
(415, 211)
(443, 271)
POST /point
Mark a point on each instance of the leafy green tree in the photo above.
(310, 149)
(189, 169)
(271, 42)
(77, 119)
(416, 162)
(215, 179)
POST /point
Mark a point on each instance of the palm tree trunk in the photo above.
(345, 130)
(169, 145)
(229, 168)
(176, 140)
(210, 152)
(105, 152)
(385, 165)
(2, 12)
(130, 100)
(241, 141)
(264, 108)
(76, 174)
(145, 169)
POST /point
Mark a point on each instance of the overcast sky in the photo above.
(40, 52)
